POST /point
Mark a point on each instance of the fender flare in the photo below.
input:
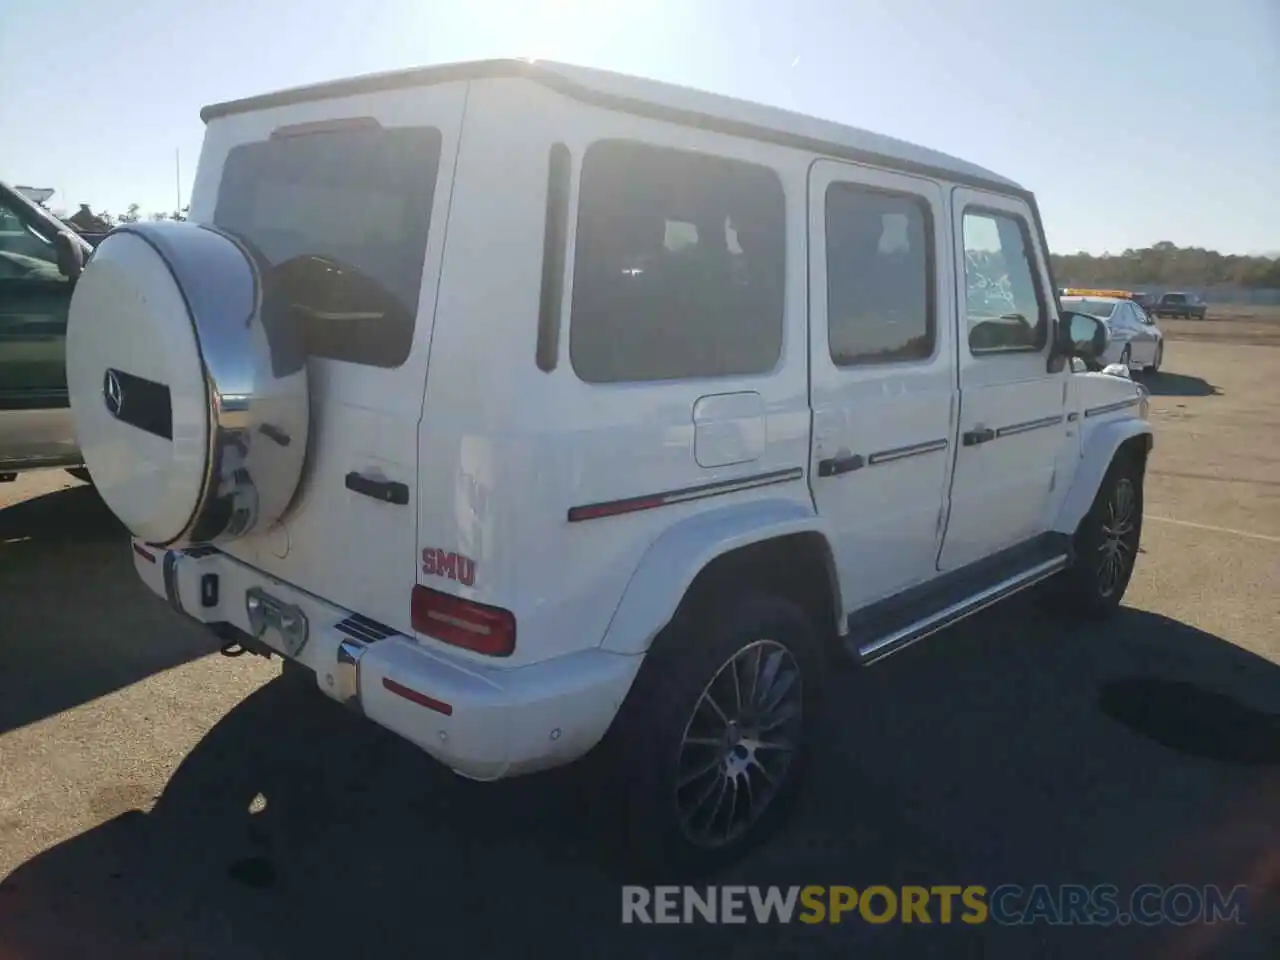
(673, 561)
(1099, 450)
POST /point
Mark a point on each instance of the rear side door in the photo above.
(1144, 339)
(1012, 411)
(882, 373)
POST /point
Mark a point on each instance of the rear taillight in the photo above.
(463, 623)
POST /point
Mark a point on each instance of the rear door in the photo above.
(345, 202)
(1144, 341)
(882, 373)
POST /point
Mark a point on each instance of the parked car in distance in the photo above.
(632, 500)
(1133, 338)
(1184, 306)
(40, 260)
(1147, 301)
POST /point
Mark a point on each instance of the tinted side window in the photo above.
(678, 266)
(340, 218)
(23, 255)
(1004, 309)
(879, 276)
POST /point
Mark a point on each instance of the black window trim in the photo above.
(931, 273)
(1029, 249)
(555, 251)
(658, 144)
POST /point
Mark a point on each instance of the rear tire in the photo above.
(709, 751)
(1106, 544)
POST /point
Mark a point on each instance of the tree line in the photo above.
(134, 213)
(1166, 266)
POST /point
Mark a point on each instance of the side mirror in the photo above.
(1083, 336)
(70, 256)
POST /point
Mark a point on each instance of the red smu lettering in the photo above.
(453, 566)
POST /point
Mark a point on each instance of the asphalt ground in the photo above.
(159, 800)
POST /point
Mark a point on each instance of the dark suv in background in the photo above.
(40, 261)
(1186, 306)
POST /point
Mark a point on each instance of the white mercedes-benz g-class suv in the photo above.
(539, 411)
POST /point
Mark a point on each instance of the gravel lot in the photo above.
(135, 761)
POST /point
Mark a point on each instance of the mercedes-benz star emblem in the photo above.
(112, 393)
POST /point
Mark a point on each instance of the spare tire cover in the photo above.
(189, 398)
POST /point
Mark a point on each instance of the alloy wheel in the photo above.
(739, 744)
(1119, 545)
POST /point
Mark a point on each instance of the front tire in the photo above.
(709, 750)
(1106, 543)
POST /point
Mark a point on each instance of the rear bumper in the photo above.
(484, 722)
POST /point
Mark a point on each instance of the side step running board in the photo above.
(895, 624)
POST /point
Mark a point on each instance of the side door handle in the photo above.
(846, 463)
(388, 491)
(974, 437)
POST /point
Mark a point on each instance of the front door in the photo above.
(882, 373)
(1012, 410)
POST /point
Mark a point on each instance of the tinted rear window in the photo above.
(341, 218)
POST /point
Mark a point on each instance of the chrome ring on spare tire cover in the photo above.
(173, 317)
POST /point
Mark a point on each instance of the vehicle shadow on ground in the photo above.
(1011, 749)
(63, 556)
(1162, 384)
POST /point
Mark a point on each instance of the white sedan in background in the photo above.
(1134, 339)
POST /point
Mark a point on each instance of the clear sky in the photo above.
(1134, 121)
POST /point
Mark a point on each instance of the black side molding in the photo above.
(388, 491)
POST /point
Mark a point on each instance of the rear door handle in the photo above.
(974, 437)
(834, 466)
(388, 491)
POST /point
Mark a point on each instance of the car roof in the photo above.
(650, 97)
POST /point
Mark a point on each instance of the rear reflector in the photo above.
(463, 623)
(421, 699)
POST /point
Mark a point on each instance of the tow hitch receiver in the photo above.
(236, 643)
